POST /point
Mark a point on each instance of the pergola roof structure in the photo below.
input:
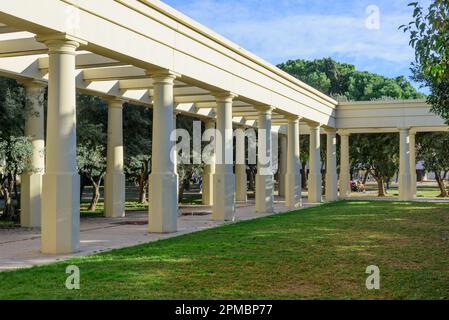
(148, 35)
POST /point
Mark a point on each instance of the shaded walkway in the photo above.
(20, 248)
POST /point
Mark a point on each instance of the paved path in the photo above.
(19, 248)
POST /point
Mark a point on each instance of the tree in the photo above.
(91, 163)
(378, 153)
(15, 153)
(91, 144)
(137, 170)
(15, 150)
(435, 158)
(137, 134)
(429, 36)
(185, 174)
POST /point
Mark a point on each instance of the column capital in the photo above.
(331, 130)
(404, 129)
(33, 84)
(115, 102)
(343, 133)
(61, 42)
(264, 109)
(163, 76)
(226, 96)
(292, 117)
(314, 125)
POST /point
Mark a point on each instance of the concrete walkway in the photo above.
(19, 247)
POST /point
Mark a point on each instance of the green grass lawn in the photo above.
(422, 192)
(99, 211)
(320, 252)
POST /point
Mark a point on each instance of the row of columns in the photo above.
(58, 181)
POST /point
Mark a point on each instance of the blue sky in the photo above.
(346, 30)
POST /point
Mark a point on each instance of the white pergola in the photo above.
(145, 52)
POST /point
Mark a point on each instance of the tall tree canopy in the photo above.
(343, 82)
(429, 36)
(15, 149)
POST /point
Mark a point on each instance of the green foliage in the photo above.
(343, 82)
(137, 135)
(12, 109)
(378, 153)
(15, 153)
(91, 160)
(432, 149)
(429, 36)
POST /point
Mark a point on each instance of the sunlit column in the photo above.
(293, 174)
(163, 205)
(208, 172)
(344, 179)
(61, 183)
(331, 166)
(114, 196)
(240, 166)
(31, 182)
(224, 179)
(405, 193)
(315, 180)
(264, 176)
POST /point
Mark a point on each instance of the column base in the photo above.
(114, 195)
(264, 193)
(31, 200)
(240, 183)
(224, 201)
(315, 189)
(207, 189)
(60, 213)
(163, 204)
(293, 191)
(405, 183)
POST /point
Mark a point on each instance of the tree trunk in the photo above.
(142, 182)
(96, 184)
(9, 212)
(180, 192)
(365, 178)
(380, 186)
(442, 186)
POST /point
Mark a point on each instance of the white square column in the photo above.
(163, 181)
(224, 180)
(405, 191)
(344, 179)
(293, 174)
(315, 179)
(31, 182)
(114, 196)
(331, 166)
(264, 176)
(61, 182)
